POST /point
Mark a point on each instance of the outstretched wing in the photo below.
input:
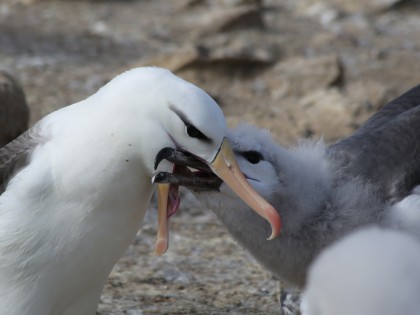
(386, 149)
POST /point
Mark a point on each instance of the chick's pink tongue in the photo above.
(173, 200)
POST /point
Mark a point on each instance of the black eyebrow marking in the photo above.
(180, 114)
(188, 123)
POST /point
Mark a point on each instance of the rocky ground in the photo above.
(302, 68)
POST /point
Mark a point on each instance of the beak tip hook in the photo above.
(163, 154)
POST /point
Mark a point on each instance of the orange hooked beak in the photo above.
(225, 166)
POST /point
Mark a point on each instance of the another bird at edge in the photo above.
(370, 271)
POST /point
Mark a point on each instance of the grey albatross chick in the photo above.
(322, 192)
(370, 271)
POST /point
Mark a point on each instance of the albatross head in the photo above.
(178, 116)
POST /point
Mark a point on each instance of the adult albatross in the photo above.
(322, 192)
(76, 186)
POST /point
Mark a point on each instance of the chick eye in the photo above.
(253, 157)
(195, 133)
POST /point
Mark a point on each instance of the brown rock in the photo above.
(368, 96)
(234, 53)
(371, 95)
(365, 6)
(192, 4)
(347, 6)
(228, 19)
(240, 51)
(325, 113)
(300, 76)
(187, 4)
(173, 61)
(14, 112)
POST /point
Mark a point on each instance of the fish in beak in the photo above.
(227, 170)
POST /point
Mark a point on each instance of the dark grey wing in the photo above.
(387, 152)
(15, 155)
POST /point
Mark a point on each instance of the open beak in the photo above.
(225, 166)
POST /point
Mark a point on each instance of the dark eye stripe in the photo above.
(195, 133)
(192, 131)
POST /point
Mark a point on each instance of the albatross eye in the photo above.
(195, 133)
(252, 157)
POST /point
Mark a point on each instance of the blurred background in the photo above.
(301, 68)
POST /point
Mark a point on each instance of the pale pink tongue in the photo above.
(173, 200)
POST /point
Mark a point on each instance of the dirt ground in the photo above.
(301, 68)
